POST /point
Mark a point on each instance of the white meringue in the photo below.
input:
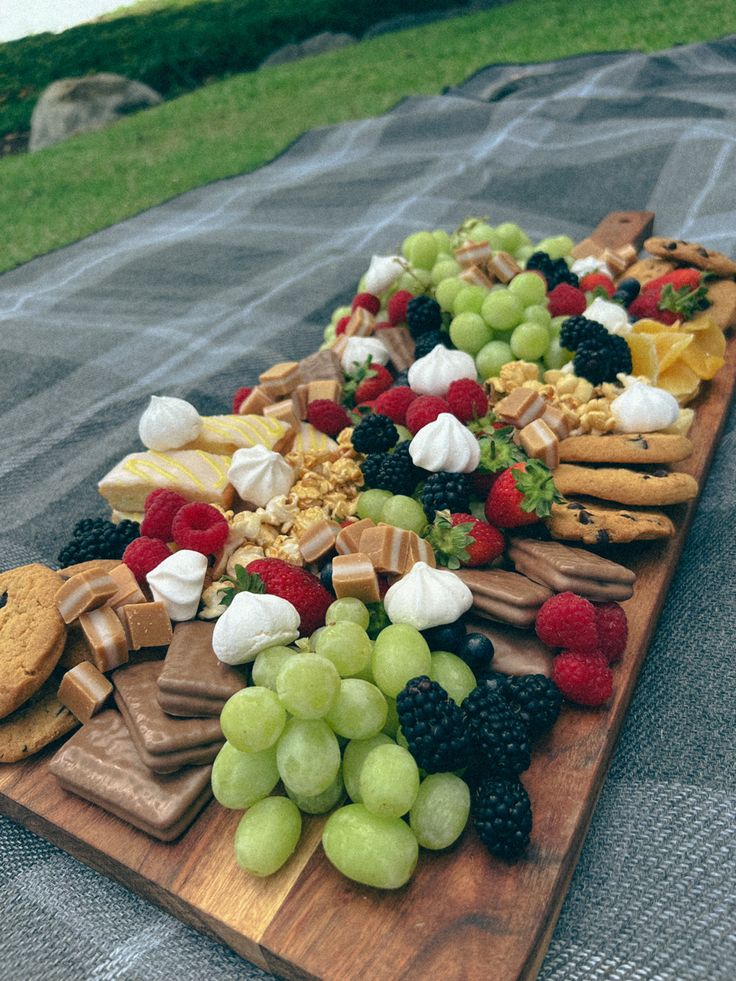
(177, 583)
(359, 349)
(383, 272)
(253, 622)
(427, 597)
(642, 408)
(168, 423)
(582, 267)
(445, 444)
(611, 315)
(435, 372)
(259, 474)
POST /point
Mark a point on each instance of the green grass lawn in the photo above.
(59, 195)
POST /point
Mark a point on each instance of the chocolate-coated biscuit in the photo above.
(576, 570)
(505, 596)
(596, 524)
(626, 448)
(636, 487)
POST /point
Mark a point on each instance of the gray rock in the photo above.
(327, 41)
(77, 105)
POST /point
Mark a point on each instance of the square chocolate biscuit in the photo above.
(193, 677)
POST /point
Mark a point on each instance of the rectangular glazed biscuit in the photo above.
(101, 764)
(195, 474)
(225, 434)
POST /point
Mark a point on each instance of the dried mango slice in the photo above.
(644, 360)
(647, 326)
(670, 347)
(680, 381)
(705, 355)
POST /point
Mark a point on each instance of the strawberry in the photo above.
(379, 379)
(594, 282)
(521, 495)
(677, 295)
(646, 307)
(464, 540)
(303, 590)
(689, 278)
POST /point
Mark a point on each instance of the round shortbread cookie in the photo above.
(103, 564)
(41, 721)
(32, 632)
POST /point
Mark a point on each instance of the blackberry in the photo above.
(374, 433)
(423, 314)
(398, 473)
(371, 468)
(575, 330)
(500, 737)
(502, 815)
(627, 291)
(97, 538)
(536, 699)
(446, 491)
(429, 341)
(433, 726)
(555, 271)
(600, 359)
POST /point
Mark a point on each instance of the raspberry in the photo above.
(328, 416)
(379, 381)
(240, 396)
(424, 410)
(303, 590)
(583, 678)
(341, 325)
(467, 399)
(396, 307)
(368, 301)
(566, 300)
(595, 281)
(200, 527)
(394, 403)
(568, 620)
(160, 509)
(143, 555)
(613, 630)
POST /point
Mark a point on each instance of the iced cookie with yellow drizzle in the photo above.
(195, 474)
(226, 434)
(311, 441)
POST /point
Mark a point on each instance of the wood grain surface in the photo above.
(464, 915)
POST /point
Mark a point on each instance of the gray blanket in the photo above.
(195, 297)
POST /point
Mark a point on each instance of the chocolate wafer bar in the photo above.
(321, 364)
(164, 744)
(100, 763)
(401, 346)
(563, 568)
(193, 680)
(506, 596)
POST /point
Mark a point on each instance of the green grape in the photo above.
(529, 341)
(349, 609)
(538, 314)
(307, 685)
(510, 236)
(392, 717)
(376, 851)
(482, 232)
(523, 253)
(556, 325)
(441, 810)
(360, 710)
(444, 243)
(404, 434)
(407, 244)
(423, 250)
(320, 803)
(556, 355)
(453, 674)
(308, 756)
(241, 779)
(529, 287)
(267, 835)
(468, 332)
(353, 759)
(366, 674)
(313, 638)
(329, 334)
(556, 247)
(404, 512)
(389, 781)
(502, 310)
(415, 281)
(445, 269)
(347, 645)
(446, 292)
(370, 504)
(469, 299)
(253, 719)
(267, 665)
(400, 653)
(401, 739)
(491, 358)
(338, 313)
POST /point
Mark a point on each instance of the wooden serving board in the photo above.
(464, 914)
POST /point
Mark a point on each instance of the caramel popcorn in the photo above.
(514, 375)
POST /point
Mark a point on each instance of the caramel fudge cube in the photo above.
(540, 443)
(128, 590)
(84, 691)
(105, 637)
(318, 540)
(362, 323)
(387, 547)
(503, 267)
(354, 575)
(521, 407)
(83, 592)
(471, 253)
(147, 625)
(349, 538)
(255, 403)
(558, 421)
